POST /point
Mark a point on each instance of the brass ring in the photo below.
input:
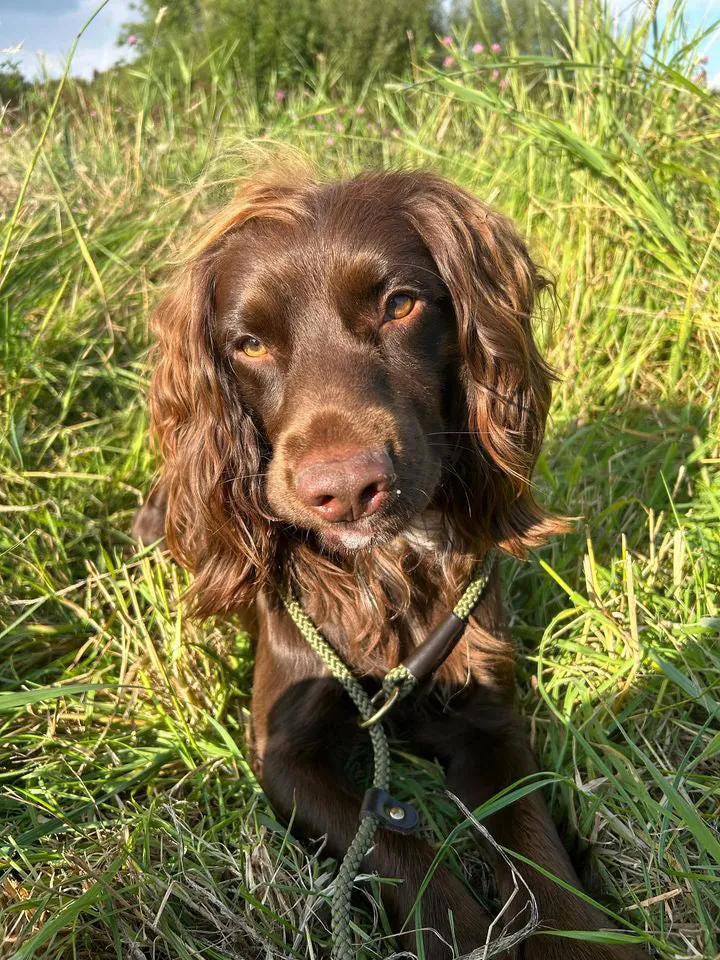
(383, 709)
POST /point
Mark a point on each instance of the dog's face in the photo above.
(342, 340)
(335, 359)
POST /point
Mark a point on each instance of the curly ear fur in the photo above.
(213, 453)
(493, 284)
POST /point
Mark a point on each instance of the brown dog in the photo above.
(349, 400)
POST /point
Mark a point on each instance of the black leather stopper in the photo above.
(393, 814)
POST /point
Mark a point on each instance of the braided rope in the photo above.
(405, 681)
(400, 677)
(342, 896)
(474, 590)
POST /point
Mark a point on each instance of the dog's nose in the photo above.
(347, 485)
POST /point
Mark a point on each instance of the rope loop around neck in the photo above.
(399, 682)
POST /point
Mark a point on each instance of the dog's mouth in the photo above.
(350, 536)
(326, 503)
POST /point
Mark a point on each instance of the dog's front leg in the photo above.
(298, 727)
(484, 763)
(305, 791)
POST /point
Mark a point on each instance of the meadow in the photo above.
(131, 825)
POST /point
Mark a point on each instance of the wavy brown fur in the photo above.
(215, 454)
(444, 411)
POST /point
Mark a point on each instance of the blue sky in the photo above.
(46, 29)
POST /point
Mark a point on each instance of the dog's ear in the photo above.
(493, 284)
(213, 452)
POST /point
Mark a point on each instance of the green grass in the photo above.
(130, 823)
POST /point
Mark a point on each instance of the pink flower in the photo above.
(496, 48)
(6, 130)
(505, 83)
(704, 59)
(280, 95)
(131, 40)
(330, 141)
(478, 48)
(93, 113)
(495, 74)
(360, 110)
(448, 61)
(339, 127)
(446, 41)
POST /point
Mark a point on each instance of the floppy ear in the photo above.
(505, 383)
(212, 452)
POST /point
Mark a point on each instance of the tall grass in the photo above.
(130, 822)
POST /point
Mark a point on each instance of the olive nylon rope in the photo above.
(401, 678)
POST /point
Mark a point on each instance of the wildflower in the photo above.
(496, 48)
(93, 113)
(330, 141)
(131, 40)
(478, 48)
(495, 74)
(704, 59)
(280, 95)
(505, 83)
(448, 61)
(446, 41)
(339, 127)
(360, 110)
(6, 130)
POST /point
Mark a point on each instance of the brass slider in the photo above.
(381, 711)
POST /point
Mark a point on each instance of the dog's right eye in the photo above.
(401, 306)
(252, 347)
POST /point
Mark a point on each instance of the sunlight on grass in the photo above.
(131, 824)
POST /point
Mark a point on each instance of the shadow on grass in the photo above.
(610, 472)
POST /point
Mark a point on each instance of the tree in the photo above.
(283, 37)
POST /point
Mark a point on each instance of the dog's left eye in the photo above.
(252, 347)
(399, 306)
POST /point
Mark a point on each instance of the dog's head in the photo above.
(337, 358)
